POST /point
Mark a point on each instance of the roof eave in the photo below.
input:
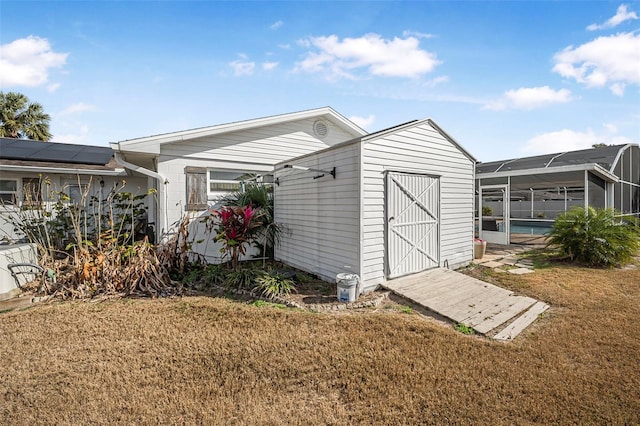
(62, 170)
(238, 126)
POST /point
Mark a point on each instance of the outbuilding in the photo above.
(383, 205)
(519, 199)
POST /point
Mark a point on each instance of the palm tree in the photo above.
(22, 119)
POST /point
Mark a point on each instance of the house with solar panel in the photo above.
(32, 172)
(517, 200)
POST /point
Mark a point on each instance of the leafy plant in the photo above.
(406, 310)
(274, 284)
(235, 227)
(259, 196)
(214, 274)
(596, 237)
(487, 211)
(244, 278)
(464, 329)
(303, 277)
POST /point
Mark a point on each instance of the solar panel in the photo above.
(20, 149)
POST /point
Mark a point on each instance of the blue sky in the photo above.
(504, 78)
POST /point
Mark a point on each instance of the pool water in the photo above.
(529, 229)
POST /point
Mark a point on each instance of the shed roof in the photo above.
(393, 129)
(604, 157)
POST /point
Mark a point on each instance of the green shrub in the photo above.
(274, 284)
(215, 274)
(596, 237)
(244, 278)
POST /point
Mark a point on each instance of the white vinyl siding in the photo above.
(320, 216)
(418, 149)
(264, 145)
(333, 224)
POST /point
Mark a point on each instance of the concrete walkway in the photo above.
(488, 309)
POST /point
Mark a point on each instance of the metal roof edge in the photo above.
(620, 152)
(598, 169)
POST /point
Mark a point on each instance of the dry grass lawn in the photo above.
(199, 360)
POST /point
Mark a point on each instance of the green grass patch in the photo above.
(262, 304)
(464, 329)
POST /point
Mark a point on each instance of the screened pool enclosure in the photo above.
(517, 200)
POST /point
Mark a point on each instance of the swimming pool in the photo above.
(530, 228)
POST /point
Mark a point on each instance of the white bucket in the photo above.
(347, 287)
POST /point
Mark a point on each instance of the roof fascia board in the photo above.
(593, 167)
(233, 127)
(65, 170)
(453, 141)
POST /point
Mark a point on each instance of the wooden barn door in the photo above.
(413, 231)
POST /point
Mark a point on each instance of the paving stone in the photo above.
(509, 260)
(522, 265)
(520, 271)
(488, 258)
(492, 264)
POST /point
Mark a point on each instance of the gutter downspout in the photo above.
(161, 217)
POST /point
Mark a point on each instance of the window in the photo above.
(224, 181)
(78, 193)
(205, 185)
(8, 191)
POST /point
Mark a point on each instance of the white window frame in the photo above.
(16, 193)
(217, 194)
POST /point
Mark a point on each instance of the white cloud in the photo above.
(609, 60)
(400, 57)
(363, 122)
(417, 34)
(242, 66)
(617, 89)
(435, 81)
(52, 88)
(268, 66)
(569, 140)
(27, 61)
(621, 15)
(276, 25)
(78, 137)
(75, 109)
(528, 98)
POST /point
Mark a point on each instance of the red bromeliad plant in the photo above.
(235, 228)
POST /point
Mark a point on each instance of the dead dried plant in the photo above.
(92, 245)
